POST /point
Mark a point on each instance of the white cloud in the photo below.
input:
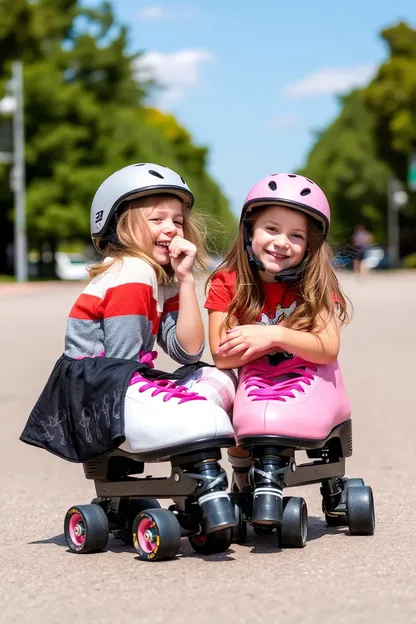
(158, 12)
(175, 71)
(329, 81)
(153, 13)
(283, 121)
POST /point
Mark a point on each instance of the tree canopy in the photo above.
(373, 137)
(345, 164)
(85, 117)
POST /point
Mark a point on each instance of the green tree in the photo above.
(391, 97)
(84, 116)
(31, 33)
(183, 155)
(344, 162)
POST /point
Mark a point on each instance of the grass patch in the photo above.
(7, 278)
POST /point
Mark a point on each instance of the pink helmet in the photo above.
(293, 191)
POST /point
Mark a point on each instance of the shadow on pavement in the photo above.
(267, 544)
(259, 544)
(317, 527)
(115, 546)
(59, 540)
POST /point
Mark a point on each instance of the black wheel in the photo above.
(86, 528)
(239, 532)
(156, 534)
(342, 519)
(212, 543)
(360, 510)
(294, 531)
(262, 530)
(355, 482)
(128, 510)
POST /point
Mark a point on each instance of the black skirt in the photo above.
(80, 413)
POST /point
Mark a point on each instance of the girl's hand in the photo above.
(248, 340)
(182, 257)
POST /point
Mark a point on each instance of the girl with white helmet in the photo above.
(275, 310)
(104, 392)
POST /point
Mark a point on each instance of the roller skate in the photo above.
(293, 406)
(172, 424)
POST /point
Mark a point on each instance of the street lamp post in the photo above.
(18, 176)
(396, 198)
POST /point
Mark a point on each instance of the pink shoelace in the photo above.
(171, 390)
(265, 384)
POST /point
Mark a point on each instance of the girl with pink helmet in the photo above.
(275, 311)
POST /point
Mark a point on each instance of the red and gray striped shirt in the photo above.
(124, 311)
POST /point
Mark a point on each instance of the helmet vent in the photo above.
(140, 165)
(182, 179)
(310, 181)
(291, 175)
(273, 185)
(306, 191)
(156, 173)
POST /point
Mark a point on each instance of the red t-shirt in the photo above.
(280, 299)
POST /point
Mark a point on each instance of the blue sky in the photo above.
(253, 80)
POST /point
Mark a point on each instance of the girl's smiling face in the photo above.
(164, 221)
(279, 239)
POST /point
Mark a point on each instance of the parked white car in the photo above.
(70, 266)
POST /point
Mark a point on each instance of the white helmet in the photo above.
(130, 182)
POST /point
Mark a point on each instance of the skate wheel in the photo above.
(239, 532)
(86, 528)
(212, 543)
(355, 482)
(133, 506)
(342, 519)
(156, 534)
(294, 531)
(360, 510)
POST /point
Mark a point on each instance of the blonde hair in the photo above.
(318, 285)
(193, 229)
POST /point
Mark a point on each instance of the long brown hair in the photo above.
(193, 229)
(318, 286)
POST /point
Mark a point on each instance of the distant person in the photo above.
(101, 393)
(362, 239)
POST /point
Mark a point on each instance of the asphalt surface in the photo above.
(336, 578)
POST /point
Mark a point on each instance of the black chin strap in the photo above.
(291, 275)
(287, 276)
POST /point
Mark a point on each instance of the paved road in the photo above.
(336, 578)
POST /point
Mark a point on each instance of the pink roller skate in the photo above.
(297, 405)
